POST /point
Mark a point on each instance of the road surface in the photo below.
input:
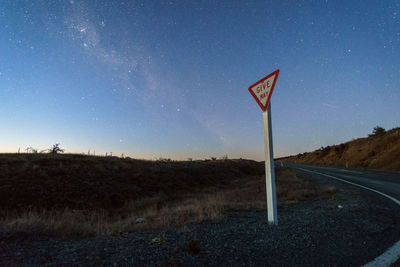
(382, 181)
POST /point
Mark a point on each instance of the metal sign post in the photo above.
(262, 91)
(269, 168)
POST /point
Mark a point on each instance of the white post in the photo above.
(269, 168)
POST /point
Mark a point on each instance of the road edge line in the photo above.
(392, 254)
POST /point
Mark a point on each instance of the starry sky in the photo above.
(170, 79)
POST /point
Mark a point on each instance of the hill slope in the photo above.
(377, 151)
(68, 195)
(86, 182)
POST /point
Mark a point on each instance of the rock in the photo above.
(140, 220)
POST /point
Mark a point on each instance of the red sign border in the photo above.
(276, 72)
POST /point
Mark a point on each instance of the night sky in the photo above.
(169, 79)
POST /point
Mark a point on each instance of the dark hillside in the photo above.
(85, 182)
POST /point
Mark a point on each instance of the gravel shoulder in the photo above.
(352, 228)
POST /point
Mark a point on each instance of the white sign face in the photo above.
(262, 90)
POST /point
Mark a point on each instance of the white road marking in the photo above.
(392, 254)
(343, 170)
(373, 190)
(337, 169)
(391, 185)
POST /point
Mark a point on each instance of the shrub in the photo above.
(56, 149)
(32, 150)
(378, 130)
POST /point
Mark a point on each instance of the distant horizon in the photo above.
(155, 157)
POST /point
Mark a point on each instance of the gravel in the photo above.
(352, 228)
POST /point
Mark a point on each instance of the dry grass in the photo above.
(159, 212)
(381, 152)
(71, 223)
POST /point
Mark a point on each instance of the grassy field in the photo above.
(377, 151)
(77, 195)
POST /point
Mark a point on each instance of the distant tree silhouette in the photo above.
(56, 149)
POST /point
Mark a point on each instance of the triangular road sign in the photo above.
(262, 90)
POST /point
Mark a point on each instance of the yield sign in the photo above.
(262, 90)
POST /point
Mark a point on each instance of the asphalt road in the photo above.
(382, 181)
